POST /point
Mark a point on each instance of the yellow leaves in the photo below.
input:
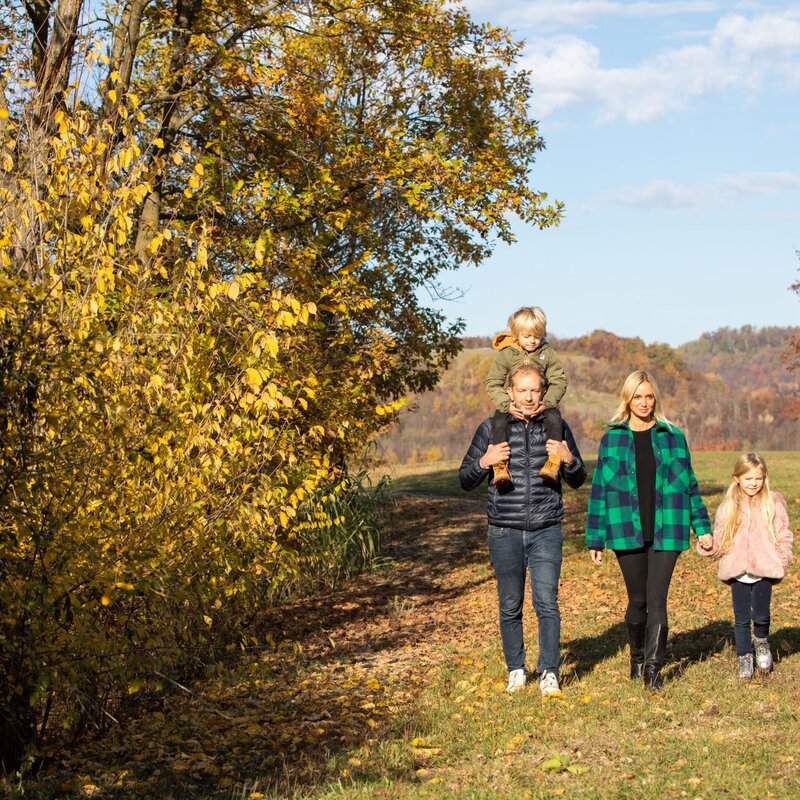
(112, 95)
(233, 290)
(253, 378)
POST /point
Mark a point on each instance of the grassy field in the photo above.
(393, 686)
(707, 736)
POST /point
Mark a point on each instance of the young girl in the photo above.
(753, 542)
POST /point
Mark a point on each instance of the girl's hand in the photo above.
(706, 541)
(597, 556)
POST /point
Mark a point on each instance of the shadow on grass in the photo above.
(684, 649)
(695, 646)
(584, 654)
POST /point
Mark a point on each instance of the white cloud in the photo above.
(725, 188)
(582, 12)
(740, 53)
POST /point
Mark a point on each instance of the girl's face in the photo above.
(751, 482)
(643, 402)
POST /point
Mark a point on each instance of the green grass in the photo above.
(707, 736)
(449, 730)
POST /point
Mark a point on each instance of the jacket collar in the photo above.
(659, 426)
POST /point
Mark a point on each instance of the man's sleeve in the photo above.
(471, 473)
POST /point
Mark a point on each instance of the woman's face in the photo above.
(752, 482)
(643, 402)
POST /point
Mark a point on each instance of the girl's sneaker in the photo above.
(763, 654)
(746, 667)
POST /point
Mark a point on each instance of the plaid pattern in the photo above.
(613, 519)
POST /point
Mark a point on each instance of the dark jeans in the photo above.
(647, 573)
(751, 601)
(551, 417)
(515, 552)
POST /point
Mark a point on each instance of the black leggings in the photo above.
(647, 573)
(551, 417)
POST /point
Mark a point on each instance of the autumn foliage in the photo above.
(214, 222)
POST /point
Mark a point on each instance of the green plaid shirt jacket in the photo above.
(613, 518)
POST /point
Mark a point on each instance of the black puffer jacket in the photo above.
(532, 503)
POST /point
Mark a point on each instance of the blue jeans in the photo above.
(515, 552)
(751, 601)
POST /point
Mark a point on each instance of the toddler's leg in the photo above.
(500, 472)
(553, 424)
(554, 429)
(499, 427)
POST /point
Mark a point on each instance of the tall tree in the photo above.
(215, 223)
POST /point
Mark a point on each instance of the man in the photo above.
(525, 523)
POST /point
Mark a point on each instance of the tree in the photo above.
(214, 225)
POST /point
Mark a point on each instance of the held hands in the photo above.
(706, 541)
(495, 454)
(597, 556)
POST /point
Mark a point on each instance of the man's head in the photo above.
(527, 387)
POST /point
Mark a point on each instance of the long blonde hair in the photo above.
(731, 505)
(628, 390)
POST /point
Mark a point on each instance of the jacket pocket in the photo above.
(677, 476)
(613, 475)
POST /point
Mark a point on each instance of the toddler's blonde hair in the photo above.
(528, 318)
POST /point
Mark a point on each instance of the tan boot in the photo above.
(551, 467)
(502, 476)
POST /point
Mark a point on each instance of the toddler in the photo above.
(525, 343)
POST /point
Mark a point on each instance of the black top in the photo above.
(646, 481)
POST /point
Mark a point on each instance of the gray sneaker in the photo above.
(763, 654)
(746, 667)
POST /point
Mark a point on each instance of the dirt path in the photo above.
(345, 666)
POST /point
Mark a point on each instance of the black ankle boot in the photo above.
(636, 643)
(655, 649)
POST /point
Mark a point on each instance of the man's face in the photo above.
(526, 392)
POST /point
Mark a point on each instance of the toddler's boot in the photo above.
(551, 467)
(502, 476)
(746, 667)
(763, 654)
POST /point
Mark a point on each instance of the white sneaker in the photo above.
(516, 680)
(548, 685)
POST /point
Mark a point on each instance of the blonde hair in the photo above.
(731, 505)
(528, 318)
(628, 390)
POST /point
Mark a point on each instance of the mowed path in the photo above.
(344, 666)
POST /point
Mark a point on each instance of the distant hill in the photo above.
(726, 390)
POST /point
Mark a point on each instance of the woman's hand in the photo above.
(706, 541)
(597, 556)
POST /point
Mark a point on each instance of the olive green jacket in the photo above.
(509, 356)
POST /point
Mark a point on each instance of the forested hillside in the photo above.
(728, 390)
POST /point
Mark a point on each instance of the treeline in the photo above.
(715, 413)
(214, 221)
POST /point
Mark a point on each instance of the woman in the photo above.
(644, 499)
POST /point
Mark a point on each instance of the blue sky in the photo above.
(672, 133)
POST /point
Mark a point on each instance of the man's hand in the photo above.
(560, 449)
(495, 454)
